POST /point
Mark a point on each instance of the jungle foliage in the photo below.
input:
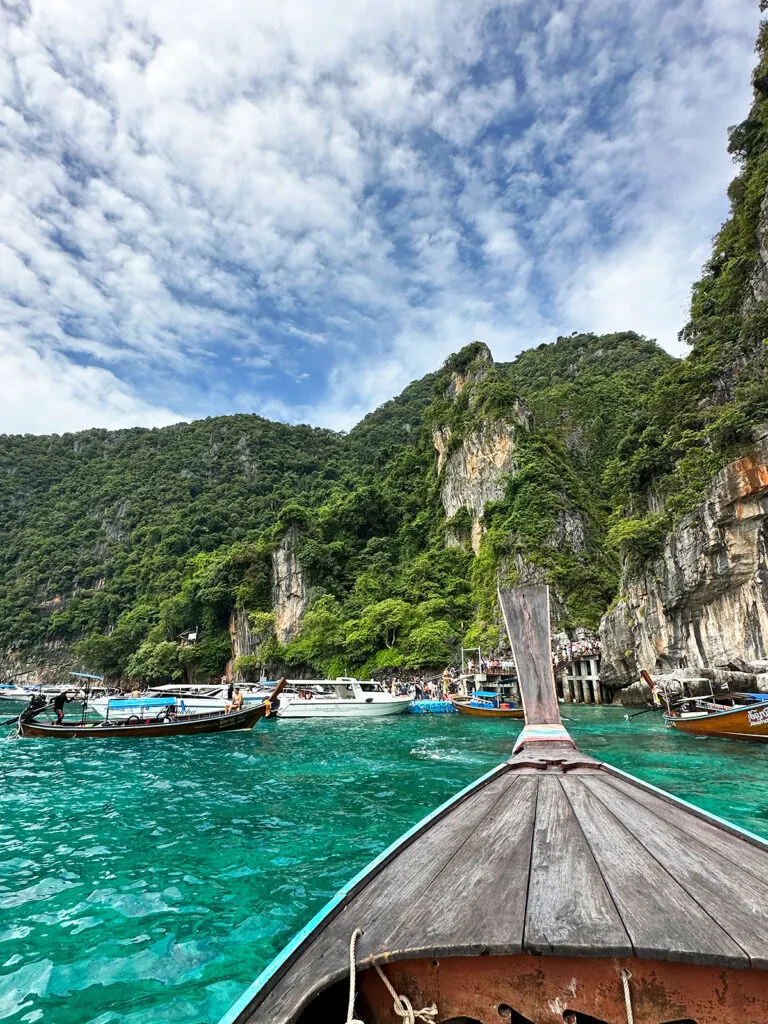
(114, 544)
(706, 409)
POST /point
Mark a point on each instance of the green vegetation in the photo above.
(114, 544)
(705, 410)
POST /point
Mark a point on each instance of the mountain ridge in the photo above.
(114, 541)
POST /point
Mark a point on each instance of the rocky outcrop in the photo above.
(290, 593)
(474, 471)
(703, 601)
(48, 666)
(758, 282)
(244, 641)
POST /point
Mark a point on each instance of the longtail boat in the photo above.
(554, 889)
(488, 704)
(738, 716)
(154, 717)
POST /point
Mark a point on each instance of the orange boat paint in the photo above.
(741, 722)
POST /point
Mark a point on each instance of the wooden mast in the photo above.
(526, 614)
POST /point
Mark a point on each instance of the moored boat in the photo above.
(555, 888)
(149, 717)
(488, 704)
(17, 694)
(344, 697)
(738, 716)
(194, 698)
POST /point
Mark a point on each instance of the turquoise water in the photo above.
(144, 881)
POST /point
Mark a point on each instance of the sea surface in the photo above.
(149, 881)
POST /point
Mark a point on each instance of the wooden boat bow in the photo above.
(528, 893)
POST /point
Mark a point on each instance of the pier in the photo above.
(579, 683)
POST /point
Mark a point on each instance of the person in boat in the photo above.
(231, 689)
(237, 701)
(58, 704)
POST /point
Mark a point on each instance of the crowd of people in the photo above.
(576, 650)
(495, 666)
(431, 687)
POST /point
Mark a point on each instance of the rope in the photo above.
(400, 1004)
(351, 1004)
(625, 976)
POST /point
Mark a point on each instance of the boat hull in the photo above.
(342, 708)
(193, 725)
(477, 988)
(467, 709)
(750, 723)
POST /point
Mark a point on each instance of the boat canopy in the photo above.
(137, 702)
(485, 693)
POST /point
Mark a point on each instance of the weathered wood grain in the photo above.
(476, 904)
(385, 898)
(661, 918)
(750, 858)
(526, 614)
(737, 905)
(570, 911)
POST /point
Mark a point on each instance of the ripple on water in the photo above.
(144, 883)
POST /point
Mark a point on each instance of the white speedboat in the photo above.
(193, 698)
(24, 694)
(17, 694)
(340, 698)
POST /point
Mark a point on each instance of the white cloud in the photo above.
(47, 394)
(232, 208)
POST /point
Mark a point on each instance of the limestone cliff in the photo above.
(244, 641)
(473, 471)
(704, 600)
(474, 474)
(290, 593)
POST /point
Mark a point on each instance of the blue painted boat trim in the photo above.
(253, 990)
(723, 822)
(137, 702)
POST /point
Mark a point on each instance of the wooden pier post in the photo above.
(567, 688)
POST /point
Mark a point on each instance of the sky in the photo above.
(295, 208)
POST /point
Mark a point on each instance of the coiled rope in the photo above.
(625, 977)
(401, 1004)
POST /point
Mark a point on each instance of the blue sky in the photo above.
(296, 208)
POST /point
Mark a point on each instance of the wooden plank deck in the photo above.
(554, 856)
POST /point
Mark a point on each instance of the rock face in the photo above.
(704, 600)
(289, 587)
(758, 284)
(49, 666)
(243, 639)
(474, 472)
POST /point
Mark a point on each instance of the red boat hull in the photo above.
(539, 988)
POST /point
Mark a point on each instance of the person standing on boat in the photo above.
(58, 705)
